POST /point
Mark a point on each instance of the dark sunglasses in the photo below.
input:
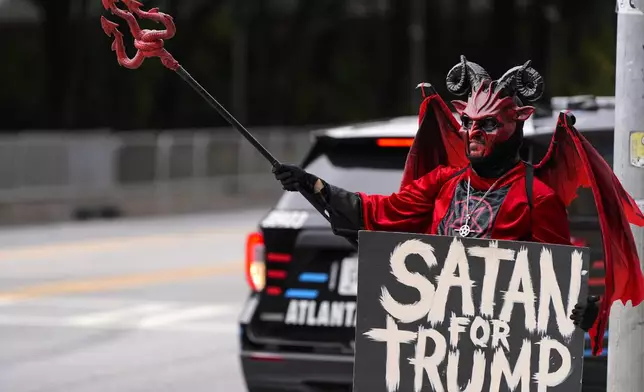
(488, 124)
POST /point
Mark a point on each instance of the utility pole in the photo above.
(626, 324)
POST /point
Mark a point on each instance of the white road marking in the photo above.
(111, 317)
(6, 302)
(106, 314)
(38, 321)
(191, 314)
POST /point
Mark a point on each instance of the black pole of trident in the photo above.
(151, 45)
(262, 150)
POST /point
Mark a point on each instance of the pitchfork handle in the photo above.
(213, 102)
(229, 117)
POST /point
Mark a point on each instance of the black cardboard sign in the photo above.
(453, 314)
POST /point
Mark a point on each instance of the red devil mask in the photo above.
(492, 118)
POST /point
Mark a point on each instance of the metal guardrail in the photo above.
(137, 170)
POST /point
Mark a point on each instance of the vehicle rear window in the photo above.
(356, 167)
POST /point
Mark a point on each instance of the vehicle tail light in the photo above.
(255, 266)
(395, 142)
(577, 241)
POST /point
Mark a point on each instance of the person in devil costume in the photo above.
(468, 180)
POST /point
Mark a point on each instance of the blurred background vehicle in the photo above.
(298, 325)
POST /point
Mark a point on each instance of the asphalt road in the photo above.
(127, 306)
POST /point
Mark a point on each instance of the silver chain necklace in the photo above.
(465, 230)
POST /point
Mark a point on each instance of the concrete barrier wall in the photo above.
(56, 177)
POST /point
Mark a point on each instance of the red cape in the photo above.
(570, 163)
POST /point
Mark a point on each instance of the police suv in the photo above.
(297, 328)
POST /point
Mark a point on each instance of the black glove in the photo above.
(584, 315)
(292, 177)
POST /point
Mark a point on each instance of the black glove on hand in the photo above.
(584, 315)
(292, 176)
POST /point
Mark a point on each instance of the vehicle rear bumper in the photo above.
(291, 372)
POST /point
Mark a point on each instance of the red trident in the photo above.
(149, 43)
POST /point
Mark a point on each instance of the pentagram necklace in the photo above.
(465, 230)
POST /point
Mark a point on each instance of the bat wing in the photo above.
(572, 162)
(437, 142)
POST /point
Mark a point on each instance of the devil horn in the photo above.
(465, 76)
(457, 78)
(529, 83)
(477, 75)
(522, 80)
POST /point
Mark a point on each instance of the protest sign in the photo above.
(453, 314)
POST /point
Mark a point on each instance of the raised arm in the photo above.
(408, 210)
